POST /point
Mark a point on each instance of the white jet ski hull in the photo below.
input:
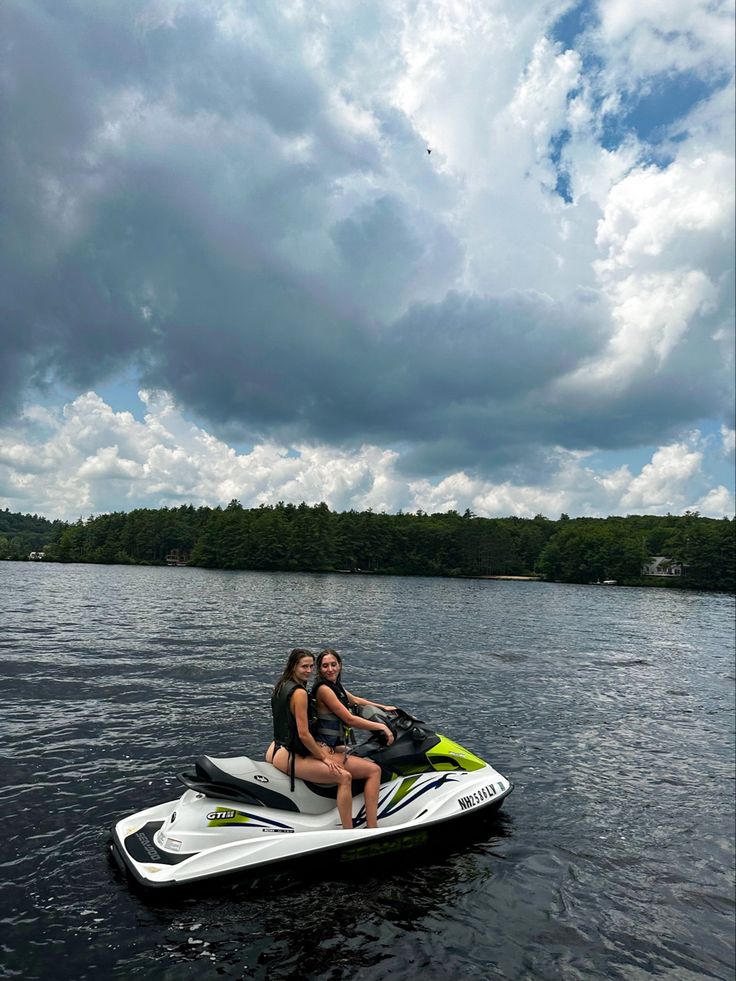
(200, 836)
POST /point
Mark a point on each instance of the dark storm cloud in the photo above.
(168, 195)
(387, 250)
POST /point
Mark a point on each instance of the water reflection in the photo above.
(314, 923)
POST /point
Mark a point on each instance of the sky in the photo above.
(232, 268)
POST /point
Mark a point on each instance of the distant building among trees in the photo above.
(178, 556)
(662, 565)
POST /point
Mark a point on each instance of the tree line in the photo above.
(21, 534)
(291, 537)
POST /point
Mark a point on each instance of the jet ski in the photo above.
(238, 815)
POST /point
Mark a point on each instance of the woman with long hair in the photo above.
(334, 721)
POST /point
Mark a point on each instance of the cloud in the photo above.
(391, 254)
(658, 486)
(719, 501)
(92, 459)
(729, 442)
(668, 279)
(235, 202)
(663, 36)
(107, 464)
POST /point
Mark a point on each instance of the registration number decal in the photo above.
(477, 797)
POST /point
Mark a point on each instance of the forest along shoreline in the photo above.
(681, 551)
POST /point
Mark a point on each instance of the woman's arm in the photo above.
(329, 699)
(366, 701)
(299, 711)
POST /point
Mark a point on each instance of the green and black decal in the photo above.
(229, 817)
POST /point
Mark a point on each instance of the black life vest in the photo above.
(285, 731)
(330, 729)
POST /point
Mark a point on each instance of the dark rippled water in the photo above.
(612, 710)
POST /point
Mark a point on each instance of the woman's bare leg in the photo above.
(370, 772)
(309, 768)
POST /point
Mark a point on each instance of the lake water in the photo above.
(611, 709)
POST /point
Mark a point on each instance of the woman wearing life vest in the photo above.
(334, 720)
(294, 749)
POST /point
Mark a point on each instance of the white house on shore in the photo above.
(662, 565)
(36, 557)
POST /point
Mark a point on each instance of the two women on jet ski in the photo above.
(296, 751)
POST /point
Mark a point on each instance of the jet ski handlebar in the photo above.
(397, 720)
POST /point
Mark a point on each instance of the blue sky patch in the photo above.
(572, 23)
(649, 113)
(563, 186)
(668, 100)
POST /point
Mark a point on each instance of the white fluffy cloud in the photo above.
(667, 276)
(660, 483)
(665, 36)
(91, 459)
(729, 442)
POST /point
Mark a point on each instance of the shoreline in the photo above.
(512, 578)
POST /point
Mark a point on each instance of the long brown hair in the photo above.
(289, 671)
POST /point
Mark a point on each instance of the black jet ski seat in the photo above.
(239, 778)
